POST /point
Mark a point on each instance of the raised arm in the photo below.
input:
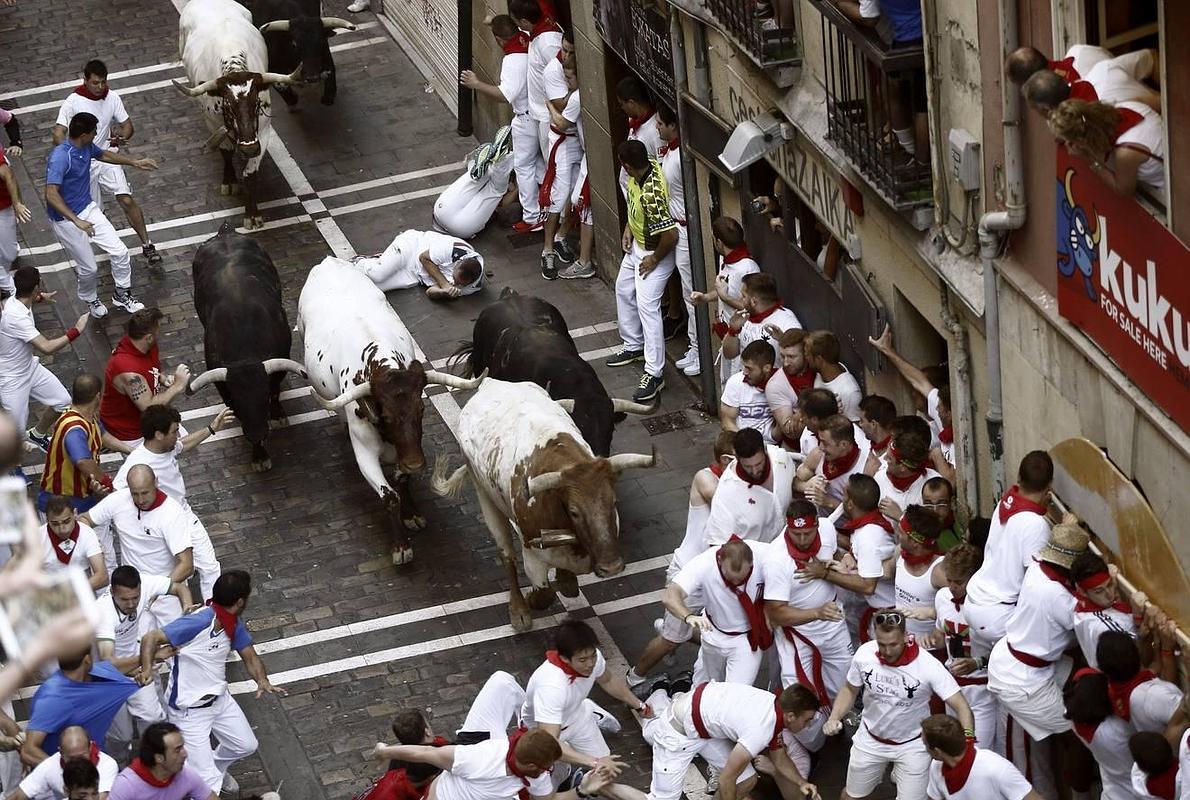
(916, 378)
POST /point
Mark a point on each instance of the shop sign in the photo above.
(638, 30)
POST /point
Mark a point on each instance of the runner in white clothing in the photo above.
(763, 317)
(905, 469)
(735, 262)
(45, 782)
(67, 543)
(449, 268)
(1089, 709)
(1101, 609)
(919, 571)
(898, 678)
(636, 102)
(562, 156)
(809, 631)
(1018, 532)
(962, 771)
(1138, 696)
(822, 356)
(743, 403)
(1156, 769)
(753, 493)
(670, 156)
(824, 474)
(726, 586)
(784, 389)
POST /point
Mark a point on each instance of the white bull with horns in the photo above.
(360, 361)
(537, 479)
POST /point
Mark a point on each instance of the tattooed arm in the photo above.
(134, 386)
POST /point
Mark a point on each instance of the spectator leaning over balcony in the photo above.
(1124, 144)
(1111, 80)
(1024, 62)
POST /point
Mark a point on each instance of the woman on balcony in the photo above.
(1124, 144)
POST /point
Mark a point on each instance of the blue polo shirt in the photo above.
(69, 168)
(905, 16)
(60, 702)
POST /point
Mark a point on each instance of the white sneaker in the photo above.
(359, 5)
(691, 357)
(124, 299)
(692, 370)
(607, 723)
(230, 785)
(97, 308)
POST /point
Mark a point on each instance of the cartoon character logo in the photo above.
(1078, 244)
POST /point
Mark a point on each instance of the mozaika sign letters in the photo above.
(638, 30)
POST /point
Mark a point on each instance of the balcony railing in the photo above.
(768, 45)
(871, 90)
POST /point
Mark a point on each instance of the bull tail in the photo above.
(465, 354)
(447, 487)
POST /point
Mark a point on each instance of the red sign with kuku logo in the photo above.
(1124, 280)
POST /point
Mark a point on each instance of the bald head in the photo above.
(74, 742)
(142, 485)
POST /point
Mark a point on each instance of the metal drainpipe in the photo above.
(465, 105)
(698, 277)
(993, 227)
(962, 402)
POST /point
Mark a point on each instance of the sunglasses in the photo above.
(889, 618)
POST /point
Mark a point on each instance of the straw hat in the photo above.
(1065, 543)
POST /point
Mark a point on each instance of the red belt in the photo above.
(696, 712)
(681, 222)
(1025, 658)
(889, 741)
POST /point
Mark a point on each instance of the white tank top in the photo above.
(1149, 133)
(916, 591)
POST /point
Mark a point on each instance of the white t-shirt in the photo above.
(751, 511)
(916, 591)
(553, 79)
(45, 781)
(124, 630)
(1119, 79)
(902, 497)
(149, 540)
(552, 698)
(650, 137)
(897, 699)
(736, 712)
(542, 48)
(1042, 626)
(671, 168)
(846, 389)
(751, 403)
(480, 772)
(953, 624)
(779, 391)
(706, 589)
(572, 111)
(1152, 703)
(1149, 133)
(200, 666)
(1108, 743)
(164, 466)
(992, 777)
(835, 485)
(17, 333)
(1009, 551)
(79, 552)
(1086, 56)
(1140, 784)
(731, 282)
(783, 318)
(1183, 755)
(1090, 625)
(872, 545)
(107, 110)
(444, 250)
(782, 584)
(514, 81)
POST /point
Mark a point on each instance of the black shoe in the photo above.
(642, 691)
(149, 251)
(623, 357)
(683, 682)
(549, 267)
(564, 251)
(649, 387)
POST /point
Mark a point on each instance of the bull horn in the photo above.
(545, 482)
(623, 461)
(620, 406)
(567, 404)
(276, 26)
(554, 537)
(269, 78)
(194, 91)
(337, 22)
(360, 390)
(210, 376)
(284, 365)
(454, 381)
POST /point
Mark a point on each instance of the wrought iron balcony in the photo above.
(873, 89)
(768, 46)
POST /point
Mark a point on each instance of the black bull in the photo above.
(297, 35)
(237, 296)
(521, 338)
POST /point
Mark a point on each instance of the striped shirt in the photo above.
(62, 475)
(648, 207)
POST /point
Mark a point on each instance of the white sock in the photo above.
(905, 139)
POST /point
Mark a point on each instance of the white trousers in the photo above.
(989, 721)
(143, 708)
(869, 758)
(987, 624)
(726, 658)
(108, 543)
(41, 385)
(78, 247)
(107, 179)
(526, 156)
(205, 562)
(638, 307)
(225, 719)
(564, 154)
(395, 268)
(8, 247)
(582, 733)
(673, 752)
(495, 706)
(682, 258)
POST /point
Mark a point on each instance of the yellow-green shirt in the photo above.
(648, 207)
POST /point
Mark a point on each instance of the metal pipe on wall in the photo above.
(962, 403)
(698, 276)
(466, 107)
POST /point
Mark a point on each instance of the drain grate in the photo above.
(664, 423)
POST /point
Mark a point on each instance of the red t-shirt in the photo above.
(5, 198)
(117, 412)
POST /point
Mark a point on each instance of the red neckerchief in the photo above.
(799, 556)
(1083, 90)
(570, 672)
(908, 655)
(873, 517)
(958, 601)
(63, 555)
(761, 316)
(759, 635)
(561, 56)
(85, 92)
(802, 381)
(1128, 119)
(517, 44)
(227, 620)
(716, 469)
(146, 774)
(1053, 574)
(775, 743)
(946, 435)
(93, 754)
(510, 762)
(636, 123)
(1065, 69)
(956, 776)
(834, 467)
(879, 447)
(902, 484)
(158, 499)
(1120, 693)
(547, 24)
(737, 254)
(1014, 502)
(918, 559)
(1164, 783)
(768, 468)
(672, 144)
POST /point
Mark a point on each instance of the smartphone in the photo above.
(23, 615)
(14, 498)
(758, 206)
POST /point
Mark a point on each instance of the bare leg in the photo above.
(655, 650)
(45, 423)
(136, 217)
(551, 229)
(586, 243)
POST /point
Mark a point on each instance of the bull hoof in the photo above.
(276, 423)
(414, 523)
(540, 599)
(262, 466)
(566, 583)
(520, 618)
(227, 189)
(252, 223)
(402, 556)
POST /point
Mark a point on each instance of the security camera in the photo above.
(753, 139)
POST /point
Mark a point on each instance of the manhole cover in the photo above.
(664, 423)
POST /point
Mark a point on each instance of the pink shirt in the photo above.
(187, 783)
